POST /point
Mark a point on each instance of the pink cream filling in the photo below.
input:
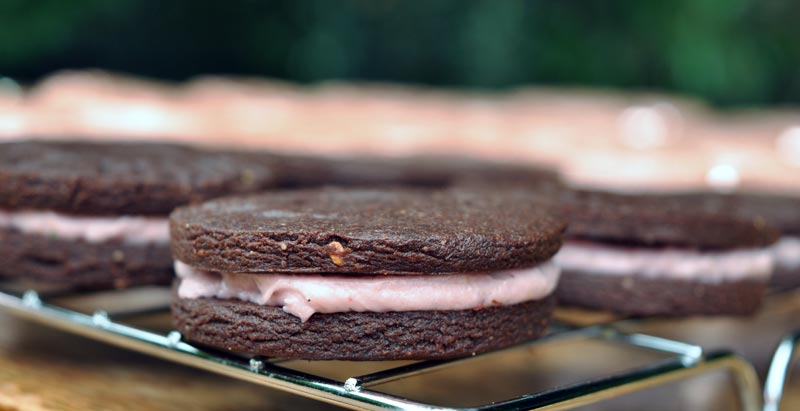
(711, 267)
(304, 295)
(787, 253)
(94, 229)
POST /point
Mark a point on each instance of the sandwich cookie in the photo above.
(80, 215)
(782, 212)
(365, 274)
(673, 255)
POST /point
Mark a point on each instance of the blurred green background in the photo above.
(729, 52)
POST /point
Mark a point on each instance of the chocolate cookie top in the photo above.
(121, 178)
(663, 220)
(363, 231)
(418, 171)
(779, 210)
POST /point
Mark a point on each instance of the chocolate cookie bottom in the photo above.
(250, 328)
(43, 262)
(643, 297)
(785, 278)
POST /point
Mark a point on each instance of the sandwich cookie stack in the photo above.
(77, 215)
(643, 255)
(365, 274)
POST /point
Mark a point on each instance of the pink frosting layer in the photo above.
(304, 295)
(714, 267)
(130, 229)
(787, 253)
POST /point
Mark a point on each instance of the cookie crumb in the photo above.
(336, 251)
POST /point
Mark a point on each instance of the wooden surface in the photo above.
(44, 369)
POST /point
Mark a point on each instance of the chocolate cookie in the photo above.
(417, 171)
(782, 211)
(643, 297)
(246, 327)
(365, 274)
(355, 231)
(45, 262)
(654, 254)
(121, 178)
(655, 220)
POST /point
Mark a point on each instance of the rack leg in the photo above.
(746, 383)
(779, 371)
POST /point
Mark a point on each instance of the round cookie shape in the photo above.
(662, 220)
(367, 231)
(121, 177)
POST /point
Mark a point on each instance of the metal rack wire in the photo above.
(361, 392)
(779, 368)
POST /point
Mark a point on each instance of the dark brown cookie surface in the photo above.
(419, 171)
(244, 327)
(334, 230)
(663, 220)
(785, 278)
(121, 178)
(782, 211)
(645, 297)
(38, 260)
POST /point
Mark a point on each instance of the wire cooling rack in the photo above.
(363, 391)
